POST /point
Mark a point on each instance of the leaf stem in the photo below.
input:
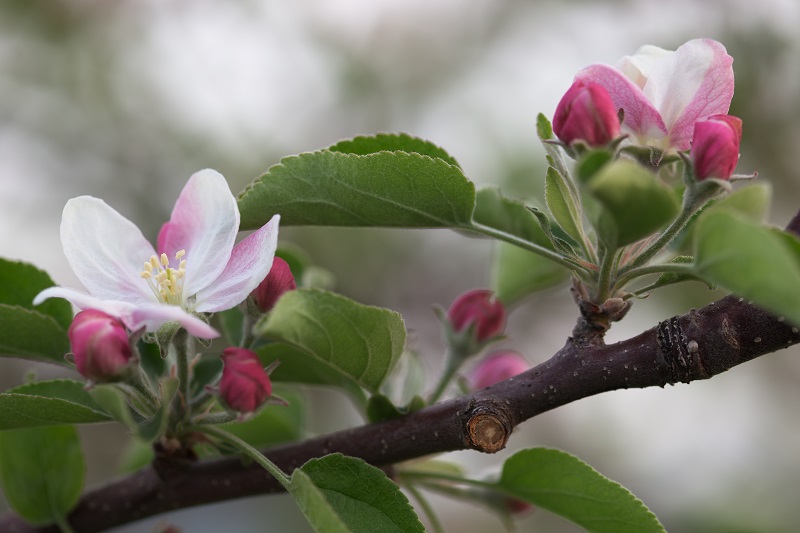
(248, 450)
(427, 508)
(454, 361)
(525, 244)
(63, 524)
(676, 268)
(181, 341)
(690, 208)
(604, 279)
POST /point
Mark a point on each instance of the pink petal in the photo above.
(105, 250)
(249, 264)
(84, 301)
(641, 118)
(690, 85)
(204, 222)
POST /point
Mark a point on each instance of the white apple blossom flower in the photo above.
(663, 93)
(197, 268)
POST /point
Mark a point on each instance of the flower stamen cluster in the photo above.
(167, 282)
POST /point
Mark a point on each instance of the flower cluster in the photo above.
(668, 100)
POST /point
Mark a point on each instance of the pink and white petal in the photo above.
(83, 301)
(249, 264)
(690, 85)
(204, 222)
(641, 118)
(153, 316)
(637, 67)
(105, 250)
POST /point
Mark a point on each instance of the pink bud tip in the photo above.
(481, 309)
(715, 146)
(278, 281)
(497, 367)
(100, 345)
(245, 385)
(587, 113)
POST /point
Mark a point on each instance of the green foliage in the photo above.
(392, 142)
(362, 342)
(565, 485)
(147, 428)
(381, 408)
(750, 260)
(517, 273)
(48, 403)
(509, 216)
(42, 472)
(340, 494)
(21, 282)
(563, 204)
(274, 424)
(382, 189)
(634, 204)
(31, 335)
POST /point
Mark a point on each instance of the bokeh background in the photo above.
(124, 100)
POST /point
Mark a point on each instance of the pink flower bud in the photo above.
(497, 367)
(715, 146)
(100, 345)
(278, 281)
(587, 113)
(245, 385)
(481, 309)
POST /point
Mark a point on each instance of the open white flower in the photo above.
(197, 268)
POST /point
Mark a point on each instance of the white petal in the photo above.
(204, 222)
(637, 67)
(153, 316)
(249, 264)
(105, 250)
(84, 301)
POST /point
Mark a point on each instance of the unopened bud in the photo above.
(497, 367)
(278, 281)
(100, 345)
(245, 385)
(715, 147)
(586, 113)
(480, 310)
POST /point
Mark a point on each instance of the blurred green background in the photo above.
(124, 100)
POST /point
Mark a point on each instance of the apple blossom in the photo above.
(664, 93)
(586, 113)
(715, 147)
(197, 269)
(278, 281)
(100, 346)
(245, 385)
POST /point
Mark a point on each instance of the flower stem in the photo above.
(426, 507)
(453, 363)
(183, 345)
(248, 450)
(675, 268)
(604, 280)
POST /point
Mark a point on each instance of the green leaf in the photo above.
(517, 273)
(345, 494)
(634, 203)
(383, 189)
(392, 142)
(274, 424)
(591, 162)
(563, 205)
(750, 260)
(21, 282)
(31, 335)
(496, 211)
(113, 400)
(48, 403)
(42, 472)
(543, 128)
(381, 408)
(360, 341)
(565, 485)
(231, 322)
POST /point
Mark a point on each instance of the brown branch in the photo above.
(697, 345)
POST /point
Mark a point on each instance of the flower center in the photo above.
(165, 282)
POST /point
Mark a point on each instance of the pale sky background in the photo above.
(125, 100)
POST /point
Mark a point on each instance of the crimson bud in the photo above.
(715, 146)
(278, 281)
(100, 346)
(586, 113)
(481, 310)
(245, 385)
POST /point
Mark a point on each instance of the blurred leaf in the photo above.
(634, 203)
(48, 403)
(344, 494)
(360, 341)
(42, 472)
(31, 335)
(510, 216)
(750, 260)
(231, 322)
(381, 408)
(517, 273)
(562, 204)
(565, 485)
(21, 282)
(113, 400)
(274, 424)
(297, 259)
(383, 189)
(392, 142)
(591, 162)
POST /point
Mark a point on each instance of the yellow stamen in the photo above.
(166, 283)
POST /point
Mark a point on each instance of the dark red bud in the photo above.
(245, 385)
(278, 281)
(586, 113)
(481, 309)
